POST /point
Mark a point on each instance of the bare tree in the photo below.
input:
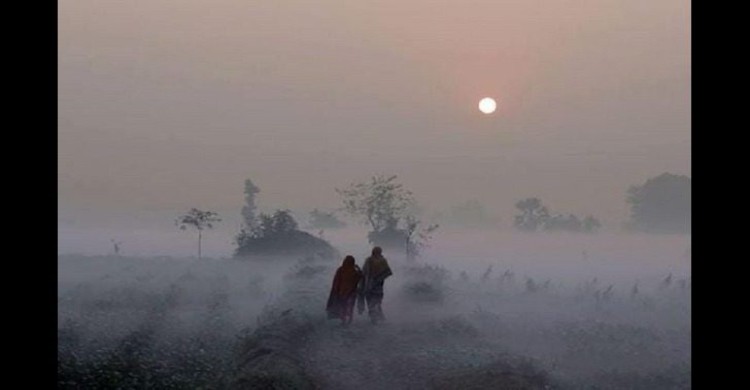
(199, 220)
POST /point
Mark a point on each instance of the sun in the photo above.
(487, 105)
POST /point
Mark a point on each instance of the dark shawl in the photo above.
(374, 272)
(344, 287)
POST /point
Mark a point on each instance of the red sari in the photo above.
(344, 291)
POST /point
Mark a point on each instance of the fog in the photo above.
(540, 311)
(165, 106)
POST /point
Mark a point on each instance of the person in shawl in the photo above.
(374, 273)
(344, 291)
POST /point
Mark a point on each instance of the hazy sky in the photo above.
(170, 104)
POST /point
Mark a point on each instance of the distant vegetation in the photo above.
(572, 223)
(534, 216)
(278, 234)
(248, 210)
(416, 237)
(325, 220)
(197, 219)
(661, 205)
(275, 234)
(389, 209)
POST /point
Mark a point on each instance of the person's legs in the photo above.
(379, 310)
(381, 316)
(370, 305)
(348, 312)
(374, 307)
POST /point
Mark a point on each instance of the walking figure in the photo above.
(344, 291)
(374, 272)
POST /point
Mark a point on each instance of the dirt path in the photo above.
(531, 342)
(419, 346)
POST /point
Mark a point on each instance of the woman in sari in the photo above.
(344, 291)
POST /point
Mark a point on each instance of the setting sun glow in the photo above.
(487, 105)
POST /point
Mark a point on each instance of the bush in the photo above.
(278, 234)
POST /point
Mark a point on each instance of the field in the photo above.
(515, 314)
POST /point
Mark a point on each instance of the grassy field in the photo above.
(180, 323)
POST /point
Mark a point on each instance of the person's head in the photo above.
(348, 261)
(377, 251)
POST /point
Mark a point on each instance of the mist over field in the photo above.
(218, 160)
(531, 311)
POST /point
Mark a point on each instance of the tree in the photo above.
(281, 222)
(661, 205)
(248, 210)
(384, 204)
(533, 214)
(199, 220)
(378, 202)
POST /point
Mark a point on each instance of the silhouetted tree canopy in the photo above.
(278, 234)
(661, 205)
(534, 216)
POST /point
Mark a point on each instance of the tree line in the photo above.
(661, 205)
